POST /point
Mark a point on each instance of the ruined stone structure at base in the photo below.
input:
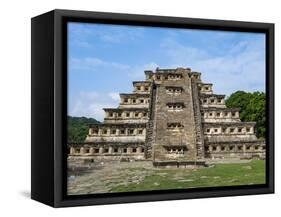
(171, 117)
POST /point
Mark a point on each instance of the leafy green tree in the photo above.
(77, 128)
(252, 107)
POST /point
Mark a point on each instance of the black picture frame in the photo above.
(49, 106)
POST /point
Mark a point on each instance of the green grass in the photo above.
(218, 175)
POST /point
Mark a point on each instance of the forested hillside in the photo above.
(78, 128)
(252, 108)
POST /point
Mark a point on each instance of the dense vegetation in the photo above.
(252, 108)
(77, 128)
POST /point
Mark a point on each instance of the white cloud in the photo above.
(81, 44)
(92, 63)
(242, 68)
(95, 64)
(137, 72)
(114, 95)
(181, 54)
(115, 34)
(91, 104)
(106, 33)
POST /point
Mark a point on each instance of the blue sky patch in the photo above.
(103, 60)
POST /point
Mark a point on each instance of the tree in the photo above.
(252, 107)
(78, 127)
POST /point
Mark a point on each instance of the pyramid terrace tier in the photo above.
(229, 132)
(142, 86)
(164, 75)
(227, 128)
(212, 100)
(205, 88)
(108, 132)
(134, 100)
(109, 150)
(126, 115)
(235, 149)
(220, 114)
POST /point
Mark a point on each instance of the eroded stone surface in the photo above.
(100, 177)
(171, 117)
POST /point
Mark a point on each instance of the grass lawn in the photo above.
(217, 175)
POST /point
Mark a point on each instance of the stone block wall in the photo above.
(174, 124)
(172, 116)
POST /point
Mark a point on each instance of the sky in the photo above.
(104, 59)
